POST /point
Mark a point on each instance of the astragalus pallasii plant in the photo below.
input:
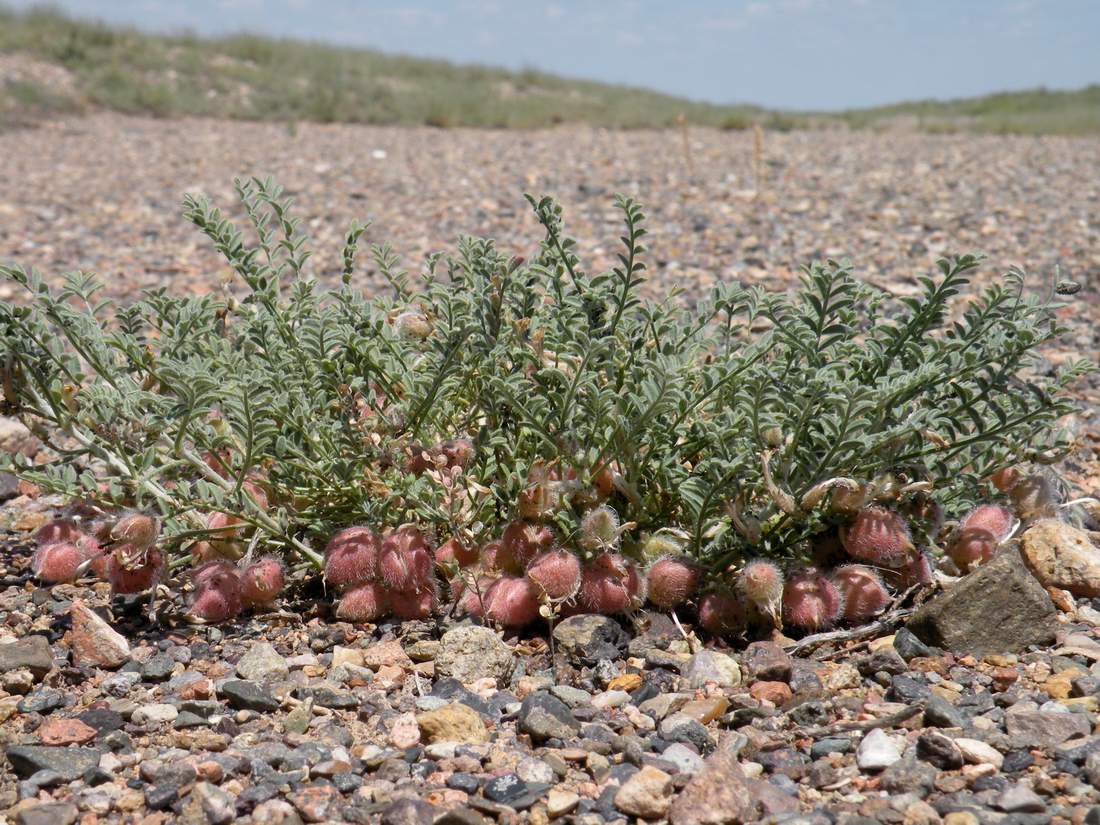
(517, 439)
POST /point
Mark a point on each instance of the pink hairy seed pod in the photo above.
(600, 530)
(456, 550)
(95, 557)
(979, 534)
(414, 605)
(557, 573)
(363, 603)
(262, 581)
(60, 561)
(659, 545)
(1005, 478)
(60, 529)
(351, 557)
(761, 584)
(722, 613)
(472, 598)
(134, 570)
(405, 562)
(810, 600)
(217, 596)
(862, 591)
(845, 499)
(610, 584)
(539, 501)
(138, 529)
(512, 601)
(878, 536)
(495, 557)
(672, 581)
(522, 541)
(458, 452)
(997, 520)
(413, 325)
(417, 461)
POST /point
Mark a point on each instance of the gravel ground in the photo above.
(291, 717)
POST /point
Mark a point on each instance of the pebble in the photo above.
(876, 751)
(712, 666)
(469, 653)
(262, 662)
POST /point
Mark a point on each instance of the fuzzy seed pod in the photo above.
(862, 591)
(262, 581)
(458, 452)
(523, 541)
(539, 501)
(659, 545)
(134, 570)
(418, 461)
(723, 614)
(363, 603)
(1005, 478)
(600, 530)
(256, 493)
(95, 556)
(495, 558)
(219, 462)
(60, 561)
(217, 596)
(351, 557)
(58, 530)
(848, 500)
(979, 534)
(405, 562)
(810, 600)
(761, 584)
(996, 520)
(457, 551)
(672, 581)
(512, 601)
(610, 584)
(413, 325)
(557, 573)
(223, 541)
(414, 605)
(472, 598)
(877, 536)
(137, 529)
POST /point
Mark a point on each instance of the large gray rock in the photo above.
(262, 662)
(468, 653)
(69, 762)
(999, 608)
(543, 716)
(32, 652)
(589, 638)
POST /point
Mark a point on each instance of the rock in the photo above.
(219, 806)
(711, 666)
(453, 722)
(408, 811)
(718, 794)
(535, 772)
(939, 750)
(405, 732)
(778, 693)
(977, 752)
(49, 813)
(766, 661)
(679, 727)
(543, 716)
(247, 696)
(468, 653)
(999, 608)
(389, 653)
(275, 812)
(70, 763)
(939, 713)
(1044, 729)
(262, 662)
(313, 802)
(647, 794)
(1062, 556)
(909, 646)
(66, 732)
(506, 789)
(32, 653)
(154, 714)
(588, 638)
(876, 751)
(93, 641)
(684, 758)
(560, 802)
(1019, 798)
(909, 776)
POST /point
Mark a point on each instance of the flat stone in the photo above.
(999, 608)
(712, 666)
(93, 641)
(716, 795)
(977, 752)
(469, 653)
(647, 794)
(154, 714)
(157, 668)
(1060, 555)
(939, 713)
(48, 813)
(684, 758)
(65, 732)
(31, 652)
(876, 751)
(588, 638)
(408, 811)
(766, 661)
(405, 732)
(261, 662)
(219, 807)
(1044, 729)
(543, 716)
(560, 802)
(69, 762)
(1019, 798)
(454, 722)
(244, 695)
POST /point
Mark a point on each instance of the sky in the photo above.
(796, 54)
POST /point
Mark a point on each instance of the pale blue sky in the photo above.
(808, 54)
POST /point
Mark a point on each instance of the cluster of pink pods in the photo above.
(223, 589)
(381, 574)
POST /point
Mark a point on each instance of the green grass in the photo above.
(262, 78)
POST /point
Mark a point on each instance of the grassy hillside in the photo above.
(51, 63)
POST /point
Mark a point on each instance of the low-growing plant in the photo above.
(525, 407)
